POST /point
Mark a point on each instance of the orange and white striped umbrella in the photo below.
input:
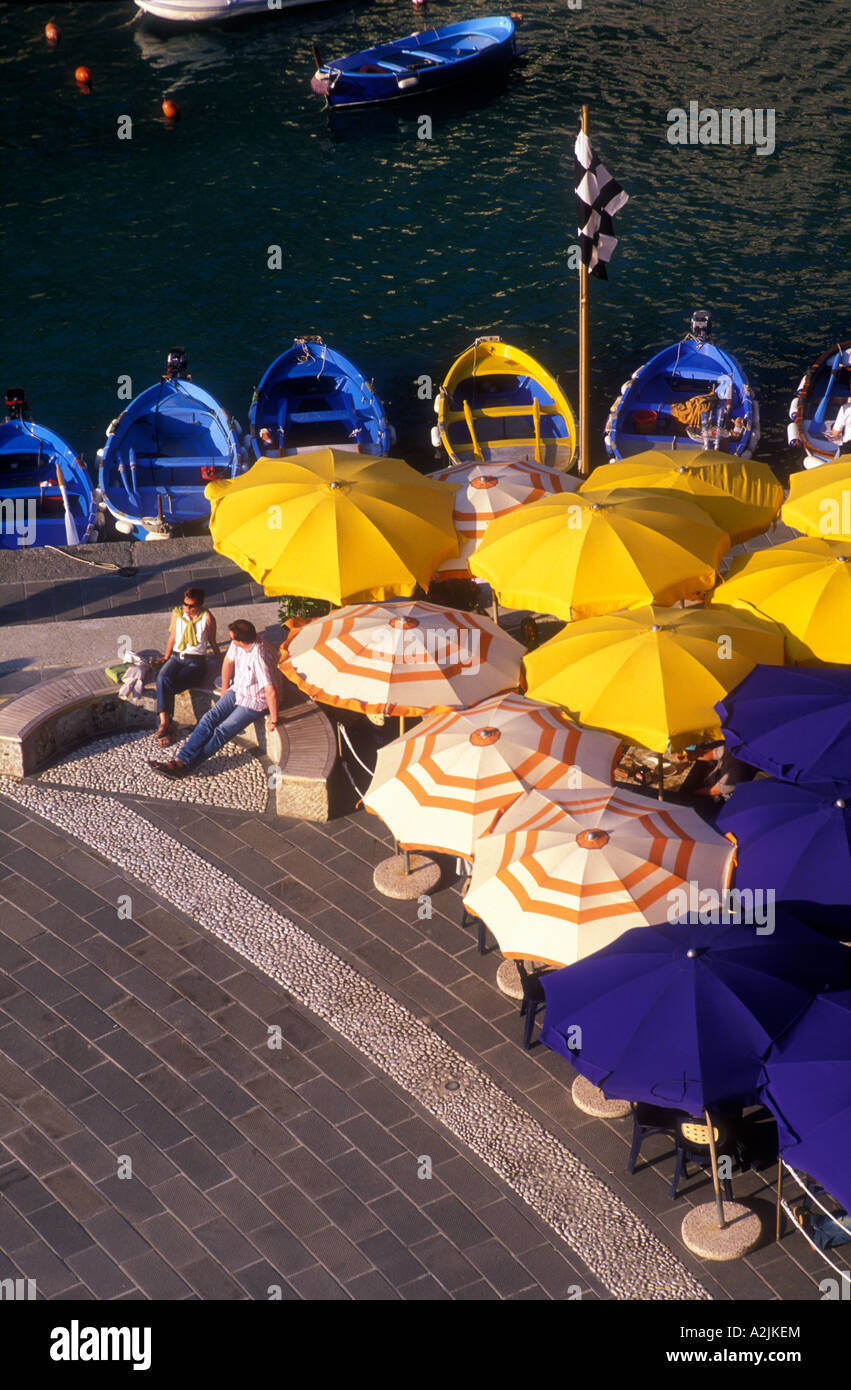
(405, 658)
(442, 785)
(486, 491)
(563, 874)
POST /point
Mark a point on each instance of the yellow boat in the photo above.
(498, 405)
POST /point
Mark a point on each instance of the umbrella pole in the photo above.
(406, 856)
(661, 767)
(401, 725)
(779, 1199)
(584, 466)
(715, 1181)
(494, 608)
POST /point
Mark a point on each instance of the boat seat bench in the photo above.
(145, 462)
(496, 411)
(317, 417)
(59, 714)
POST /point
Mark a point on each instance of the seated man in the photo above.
(724, 399)
(252, 664)
(840, 430)
(826, 1232)
(714, 774)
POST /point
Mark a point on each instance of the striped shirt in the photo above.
(253, 669)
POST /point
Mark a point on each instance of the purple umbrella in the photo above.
(808, 1090)
(683, 1014)
(794, 842)
(793, 722)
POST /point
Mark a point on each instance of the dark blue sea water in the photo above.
(399, 250)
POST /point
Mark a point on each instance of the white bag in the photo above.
(134, 677)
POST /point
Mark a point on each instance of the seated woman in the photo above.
(191, 638)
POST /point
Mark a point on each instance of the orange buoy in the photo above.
(83, 76)
(52, 32)
(171, 110)
(518, 18)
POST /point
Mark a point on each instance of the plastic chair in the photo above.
(468, 919)
(534, 1000)
(651, 1119)
(692, 1141)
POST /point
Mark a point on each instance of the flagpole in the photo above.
(584, 356)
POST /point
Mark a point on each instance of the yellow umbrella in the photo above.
(742, 497)
(564, 873)
(652, 675)
(577, 555)
(334, 525)
(805, 587)
(819, 501)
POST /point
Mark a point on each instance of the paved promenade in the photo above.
(399, 1143)
(44, 594)
(148, 1038)
(255, 1172)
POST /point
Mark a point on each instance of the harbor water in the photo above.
(398, 249)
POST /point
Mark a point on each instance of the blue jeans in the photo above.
(828, 1232)
(178, 674)
(220, 724)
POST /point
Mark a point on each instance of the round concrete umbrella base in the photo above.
(390, 878)
(508, 980)
(702, 1236)
(590, 1100)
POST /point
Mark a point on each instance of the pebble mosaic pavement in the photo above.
(235, 781)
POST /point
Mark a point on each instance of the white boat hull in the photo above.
(205, 11)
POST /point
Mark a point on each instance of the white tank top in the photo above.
(201, 625)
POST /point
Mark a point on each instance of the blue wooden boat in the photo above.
(823, 390)
(46, 495)
(312, 397)
(162, 451)
(653, 408)
(418, 64)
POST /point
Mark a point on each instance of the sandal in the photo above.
(802, 1214)
(164, 737)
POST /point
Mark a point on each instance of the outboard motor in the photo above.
(16, 404)
(701, 325)
(177, 364)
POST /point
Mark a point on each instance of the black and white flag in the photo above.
(598, 198)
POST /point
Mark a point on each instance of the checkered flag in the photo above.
(598, 198)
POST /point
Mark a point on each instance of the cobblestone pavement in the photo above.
(187, 1016)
